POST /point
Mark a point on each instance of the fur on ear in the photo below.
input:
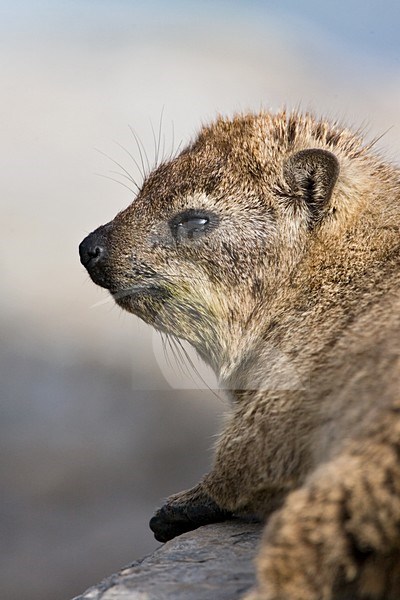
(311, 175)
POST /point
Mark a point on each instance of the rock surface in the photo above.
(214, 562)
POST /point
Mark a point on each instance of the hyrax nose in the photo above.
(92, 250)
(94, 255)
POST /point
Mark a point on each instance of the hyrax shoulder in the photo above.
(271, 243)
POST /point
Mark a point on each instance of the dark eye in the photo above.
(191, 224)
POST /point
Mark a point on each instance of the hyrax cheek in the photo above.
(159, 235)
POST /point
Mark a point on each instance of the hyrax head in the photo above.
(214, 232)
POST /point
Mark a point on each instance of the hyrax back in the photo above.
(271, 243)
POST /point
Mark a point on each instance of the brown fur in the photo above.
(293, 299)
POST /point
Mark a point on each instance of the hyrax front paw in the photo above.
(184, 512)
(339, 532)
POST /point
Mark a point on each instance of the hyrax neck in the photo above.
(336, 281)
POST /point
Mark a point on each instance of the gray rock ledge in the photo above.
(214, 562)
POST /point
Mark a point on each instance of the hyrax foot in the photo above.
(184, 512)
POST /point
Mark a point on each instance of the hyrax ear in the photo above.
(311, 175)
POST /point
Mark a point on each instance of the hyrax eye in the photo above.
(191, 224)
(194, 223)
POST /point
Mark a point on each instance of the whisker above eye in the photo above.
(117, 181)
(142, 153)
(126, 177)
(139, 168)
(127, 174)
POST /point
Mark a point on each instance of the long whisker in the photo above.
(142, 152)
(126, 177)
(159, 135)
(181, 355)
(193, 366)
(139, 168)
(155, 144)
(116, 181)
(177, 357)
(102, 302)
(175, 154)
(165, 344)
(118, 165)
(163, 148)
(118, 295)
(173, 141)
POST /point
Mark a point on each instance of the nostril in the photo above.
(96, 252)
(91, 253)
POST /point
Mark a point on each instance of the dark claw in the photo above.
(164, 531)
(170, 521)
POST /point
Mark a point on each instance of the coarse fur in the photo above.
(291, 293)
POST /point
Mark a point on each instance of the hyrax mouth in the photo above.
(140, 291)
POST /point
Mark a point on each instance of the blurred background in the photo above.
(96, 429)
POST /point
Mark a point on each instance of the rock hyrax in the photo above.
(271, 244)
